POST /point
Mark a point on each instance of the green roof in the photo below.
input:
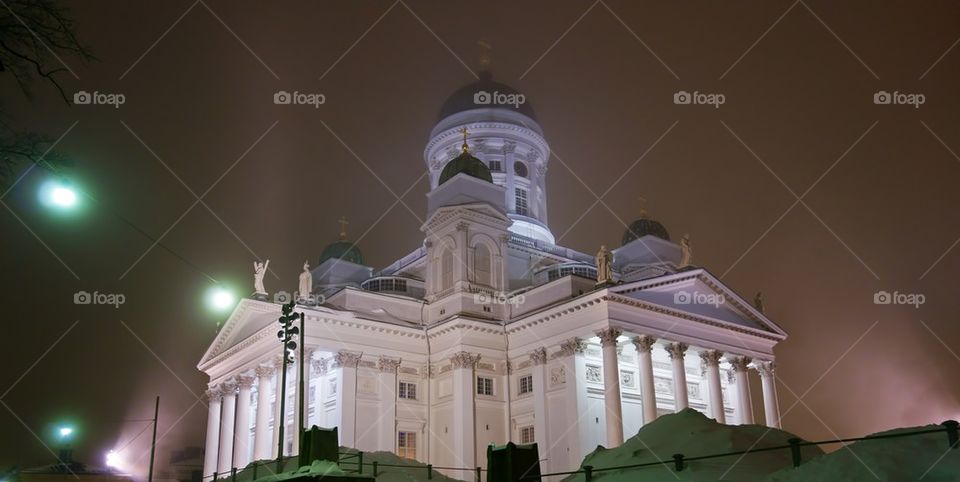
(467, 164)
(344, 250)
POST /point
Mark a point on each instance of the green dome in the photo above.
(344, 250)
(468, 165)
(643, 227)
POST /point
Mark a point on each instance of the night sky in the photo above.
(799, 185)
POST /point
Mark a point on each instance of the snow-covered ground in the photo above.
(692, 434)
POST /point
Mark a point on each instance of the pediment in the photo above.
(248, 318)
(698, 293)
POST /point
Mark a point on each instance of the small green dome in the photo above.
(643, 227)
(468, 165)
(344, 250)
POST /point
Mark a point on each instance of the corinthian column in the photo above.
(225, 461)
(277, 390)
(319, 393)
(241, 454)
(388, 402)
(740, 364)
(573, 377)
(711, 361)
(539, 376)
(648, 394)
(464, 443)
(771, 408)
(261, 436)
(611, 387)
(347, 362)
(213, 433)
(677, 352)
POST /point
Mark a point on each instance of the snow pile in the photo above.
(692, 434)
(410, 471)
(917, 457)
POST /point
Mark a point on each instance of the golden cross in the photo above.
(464, 132)
(643, 206)
(343, 227)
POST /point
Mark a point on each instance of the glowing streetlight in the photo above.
(113, 459)
(58, 194)
(221, 299)
(65, 432)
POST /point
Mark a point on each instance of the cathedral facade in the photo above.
(490, 332)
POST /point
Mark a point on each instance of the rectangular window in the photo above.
(400, 285)
(526, 384)
(526, 435)
(407, 445)
(407, 390)
(521, 197)
(496, 166)
(484, 386)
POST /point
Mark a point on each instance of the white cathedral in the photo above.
(489, 332)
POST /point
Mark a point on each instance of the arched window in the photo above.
(446, 269)
(481, 265)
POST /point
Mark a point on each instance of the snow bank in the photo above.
(692, 434)
(918, 457)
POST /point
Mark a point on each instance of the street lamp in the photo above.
(65, 432)
(220, 299)
(58, 194)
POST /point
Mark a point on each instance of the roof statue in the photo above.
(259, 269)
(306, 282)
(604, 266)
(686, 251)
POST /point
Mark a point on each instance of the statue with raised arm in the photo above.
(259, 269)
(604, 266)
(306, 283)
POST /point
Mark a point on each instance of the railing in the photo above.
(350, 462)
(680, 462)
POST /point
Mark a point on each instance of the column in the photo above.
(241, 451)
(771, 406)
(677, 352)
(539, 359)
(648, 394)
(574, 376)
(740, 364)
(213, 433)
(388, 402)
(319, 394)
(261, 437)
(225, 460)
(277, 380)
(306, 364)
(347, 396)
(711, 362)
(611, 387)
(464, 442)
(460, 273)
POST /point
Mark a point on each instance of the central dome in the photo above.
(471, 97)
(643, 227)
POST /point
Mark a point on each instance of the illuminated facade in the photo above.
(490, 332)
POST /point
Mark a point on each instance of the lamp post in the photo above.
(286, 336)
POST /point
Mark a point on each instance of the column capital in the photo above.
(388, 364)
(740, 363)
(644, 343)
(573, 346)
(320, 365)
(278, 362)
(464, 360)
(538, 356)
(245, 380)
(347, 359)
(765, 368)
(265, 370)
(228, 387)
(676, 350)
(608, 336)
(711, 358)
(462, 226)
(213, 394)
